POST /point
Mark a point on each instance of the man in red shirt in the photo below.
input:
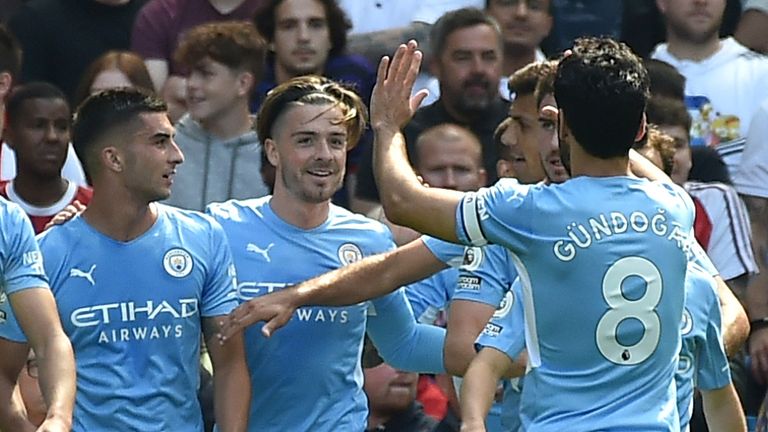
(38, 130)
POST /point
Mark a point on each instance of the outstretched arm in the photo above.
(479, 387)
(401, 341)
(345, 286)
(12, 413)
(722, 410)
(35, 309)
(232, 384)
(735, 321)
(405, 200)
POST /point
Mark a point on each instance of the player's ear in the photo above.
(270, 149)
(112, 159)
(642, 129)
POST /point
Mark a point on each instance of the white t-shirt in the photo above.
(723, 92)
(374, 15)
(72, 169)
(752, 175)
(730, 244)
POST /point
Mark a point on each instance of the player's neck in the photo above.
(39, 191)
(230, 124)
(296, 212)
(683, 49)
(118, 215)
(584, 164)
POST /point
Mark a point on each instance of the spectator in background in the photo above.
(392, 404)
(38, 130)
(523, 24)
(751, 180)
(310, 37)
(113, 69)
(161, 24)
(223, 153)
(60, 38)
(753, 26)
(10, 65)
(725, 81)
(730, 247)
(642, 26)
(467, 63)
(377, 30)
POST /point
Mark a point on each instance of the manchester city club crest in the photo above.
(177, 262)
(349, 253)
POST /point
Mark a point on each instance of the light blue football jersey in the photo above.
(133, 311)
(505, 332)
(21, 264)
(484, 276)
(428, 297)
(478, 278)
(703, 362)
(602, 265)
(308, 375)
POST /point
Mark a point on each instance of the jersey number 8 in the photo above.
(642, 309)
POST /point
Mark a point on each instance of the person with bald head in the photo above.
(451, 157)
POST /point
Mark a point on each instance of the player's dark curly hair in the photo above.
(602, 89)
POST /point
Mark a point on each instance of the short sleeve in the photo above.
(9, 327)
(451, 254)
(486, 275)
(22, 265)
(699, 257)
(506, 329)
(221, 280)
(499, 214)
(713, 370)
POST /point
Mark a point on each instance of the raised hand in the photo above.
(391, 103)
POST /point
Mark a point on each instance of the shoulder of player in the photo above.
(236, 209)
(189, 220)
(340, 218)
(700, 285)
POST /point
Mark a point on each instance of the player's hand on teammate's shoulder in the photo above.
(68, 213)
(274, 309)
(391, 103)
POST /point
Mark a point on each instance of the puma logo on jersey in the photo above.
(75, 272)
(263, 252)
